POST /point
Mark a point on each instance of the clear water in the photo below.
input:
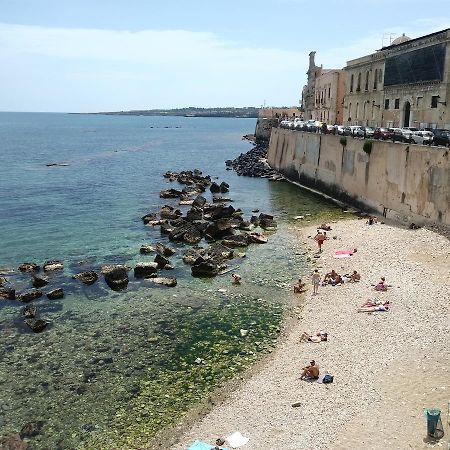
(114, 368)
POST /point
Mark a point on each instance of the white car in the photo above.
(422, 137)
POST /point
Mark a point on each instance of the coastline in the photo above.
(380, 361)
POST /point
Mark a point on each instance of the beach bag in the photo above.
(327, 378)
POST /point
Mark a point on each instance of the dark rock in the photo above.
(150, 217)
(192, 236)
(161, 261)
(219, 252)
(224, 187)
(191, 255)
(215, 188)
(7, 293)
(50, 266)
(194, 214)
(267, 221)
(116, 277)
(55, 294)
(166, 228)
(254, 220)
(29, 311)
(178, 222)
(37, 325)
(170, 193)
(228, 162)
(168, 212)
(164, 249)
(221, 199)
(238, 240)
(145, 269)
(164, 281)
(39, 281)
(29, 267)
(204, 268)
(199, 201)
(219, 228)
(146, 249)
(13, 441)
(28, 296)
(3, 281)
(31, 429)
(89, 277)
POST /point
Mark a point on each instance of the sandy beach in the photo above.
(387, 366)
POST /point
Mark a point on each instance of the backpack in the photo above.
(327, 378)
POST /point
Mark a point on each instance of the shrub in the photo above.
(367, 147)
(343, 141)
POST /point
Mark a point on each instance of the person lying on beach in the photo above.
(320, 239)
(332, 278)
(299, 287)
(325, 227)
(310, 372)
(355, 277)
(381, 285)
(236, 278)
(320, 336)
(371, 306)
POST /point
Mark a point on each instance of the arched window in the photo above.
(351, 83)
(358, 86)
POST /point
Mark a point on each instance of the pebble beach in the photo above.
(387, 366)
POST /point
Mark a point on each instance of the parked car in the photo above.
(339, 129)
(285, 123)
(382, 133)
(401, 135)
(355, 129)
(347, 131)
(422, 137)
(298, 124)
(311, 125)
(441, 137)
(365, 132)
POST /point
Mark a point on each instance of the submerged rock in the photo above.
(29, 267)
(37, 325)
(161, 261)
(164, 249)
(55, 294)
(31, 429)
(39, 281)
(116, 276)
(29, 311)
(50, 266)
(28, 296)
(145, 269)
(7, 293)
(89, 277)
(164, 281)
(146, 249)
(170, 193)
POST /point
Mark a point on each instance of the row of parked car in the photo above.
(411, 135)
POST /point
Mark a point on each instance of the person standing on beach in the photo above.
(320, 239)
(315, 281)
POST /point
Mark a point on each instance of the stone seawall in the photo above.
(408, 183)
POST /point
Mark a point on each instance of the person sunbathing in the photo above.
(299, 288)
(332, 278)
(355, 277)
(371, 306)
(320, 336)
(325, 227)
(310, 372)
(381, 285)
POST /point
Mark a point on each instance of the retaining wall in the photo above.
(409, 183)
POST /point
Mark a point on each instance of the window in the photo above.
(351, 83)
(349, 111)
(419, 102)
(386, 104)
(375, 80)
(380, 75)
(357, 110)
(366, 87)
(358, 87)
(397, 103)
(434, 101)
(329, 91)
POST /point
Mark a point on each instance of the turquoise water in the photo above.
(112, 368)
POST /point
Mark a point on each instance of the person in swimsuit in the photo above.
(381, 286)
(355, 277)
(320, 239)
(316, 281)
(299, 288)
(310, 372)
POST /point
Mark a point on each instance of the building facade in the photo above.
(323, 95)
(406, 84)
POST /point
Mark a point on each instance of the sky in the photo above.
(111, 55)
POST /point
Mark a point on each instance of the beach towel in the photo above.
(198, 445)
(343, 253)
(237, 440)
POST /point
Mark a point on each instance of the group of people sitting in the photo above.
(334, 279)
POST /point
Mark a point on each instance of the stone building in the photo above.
(322, 96)
(406, 84)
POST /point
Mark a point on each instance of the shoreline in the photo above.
(372, 356)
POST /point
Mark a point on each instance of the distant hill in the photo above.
(191, 112)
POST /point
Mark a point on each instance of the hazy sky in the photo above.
(109, 55)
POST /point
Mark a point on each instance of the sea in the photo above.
(113, 369)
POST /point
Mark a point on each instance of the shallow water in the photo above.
(113, 368)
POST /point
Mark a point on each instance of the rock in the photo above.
(243, 332)
(215, 188)
(29, 267)
(224, 187)
(3, 281)
(199, 201)
(220, 199)
(257, 238)
(170, 193)
(39, 281)
(203, 268)
(219, 252)
(267, 221)
(186, 202)
(13, 441)
(161, 261)
(29, 311)
(191, 255)
(168, 212)
(146, 249)
(218, 211)
(31, 429)
(228, 162)
(55, 294)
(150, 217)
(164, 250)
(116, 276)
(199, 361)
(238, 240)
(89, 277)
(219, 228)
(37, 325)
(164, 281)
(50, 266)
(166, 228)
(7, 293)
(28, 296)
(194, 214)
(145, 269)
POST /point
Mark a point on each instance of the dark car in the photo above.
(441, 137)
(346, 131)
(382, 133)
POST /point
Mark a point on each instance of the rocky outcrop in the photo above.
(36, 325)
(253, 163)
(161, 262)
(50, 266)
(116, 276)
(55, 294)
(204, 268)
(28, 296)
(145, 269)
(7, 293)
(164, 249)
(170, 193)
(39, 281)
(29, 267)
(89, 277)
(146, 249)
